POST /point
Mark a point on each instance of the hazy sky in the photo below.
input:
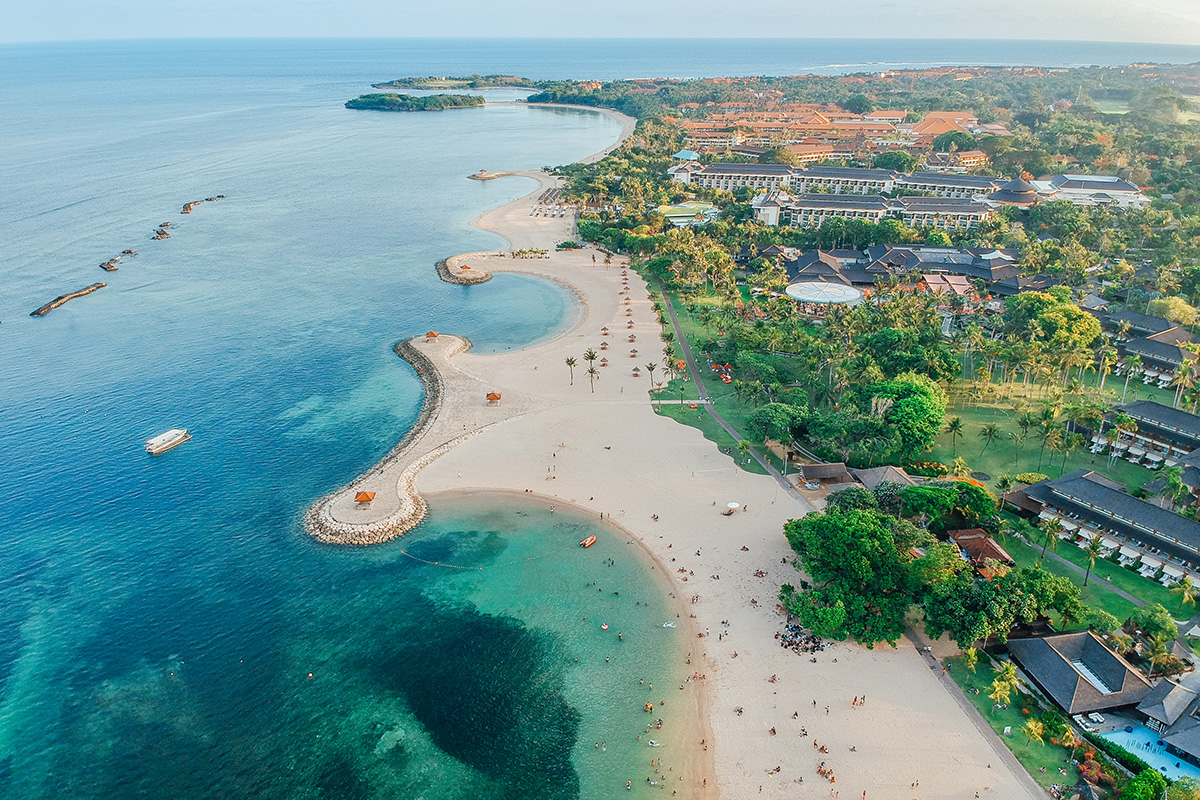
(1174, 21)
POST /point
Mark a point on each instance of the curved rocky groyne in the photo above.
(462, 279)
(412, 508)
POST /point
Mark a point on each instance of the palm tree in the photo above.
(1034, 729)
(743, 447)
(571, 366)
(593, 374)
(1000, 694)
(1186, 591)
(989, 433)
(1053, 528)
(1132, 364)
(1184, 378)
(954, 427)
(1173, 487)
(1156, 653)
(971, 658)
(959, 468)
(590, 356)
(1070, 741)
(1004, 484)
(1016, 439)
(650, 369)
(1094, 550)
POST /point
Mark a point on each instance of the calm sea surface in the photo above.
(160, 617)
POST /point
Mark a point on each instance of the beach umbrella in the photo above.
(364, 497)
(431, 335)
(493, 398)
(734, 506)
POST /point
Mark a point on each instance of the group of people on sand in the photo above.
(798, 640)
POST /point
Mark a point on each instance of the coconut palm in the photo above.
(650, 367)
(1173, 487)
(1156, 653)
(989, 433)
(1184, 378)
(1094, 549)
(1133, 364)
(954, 427)
(1004, 484)
(959, 468)
(590, 356)
(1000, 694)
(1034, 729)
(1070, 741)
(571, 366)
(971, 658)
(1186, 591)
(593, 374)
(1052, 530)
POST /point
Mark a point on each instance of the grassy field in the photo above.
(1112, 106)
(1022, 707)
(1006, 456)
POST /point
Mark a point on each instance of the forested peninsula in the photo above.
(432, 83)
(406, 102)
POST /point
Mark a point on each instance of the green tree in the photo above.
(571, 366)
(1154, 621)
(851, 498)
(773, 421)
(1146, 785)
(593, 375)
(862, 569)
(971, 658)
(989, 433)
(896, 160)
(954, 427)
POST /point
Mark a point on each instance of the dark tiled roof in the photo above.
(1016, 191)
(1016, 284)
(746, 169)
(943, 205)
(1165, 417)
(1167, 702)
(847, 174)
(1137, 322)
(871, 478)
(848, 202)
(983, 183)
(1053, 662)
(1093, 183)
(814, 472)
(1088, 494)
(1159, 351)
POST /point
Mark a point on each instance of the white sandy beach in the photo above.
(607, 452)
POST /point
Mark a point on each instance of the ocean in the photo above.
(160, 617)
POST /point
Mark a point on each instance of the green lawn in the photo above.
(1097, 593)
(1112, 106)
(701, 419)
(1143, 588)
(1032, 755)
(1005, 456)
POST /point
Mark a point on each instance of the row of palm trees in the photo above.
(590, 356)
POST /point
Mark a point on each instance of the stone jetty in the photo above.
(64, 298)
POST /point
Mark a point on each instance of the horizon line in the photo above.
(493, 38)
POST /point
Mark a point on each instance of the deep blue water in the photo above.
(159, 617)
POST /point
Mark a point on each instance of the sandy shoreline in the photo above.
(603, 450)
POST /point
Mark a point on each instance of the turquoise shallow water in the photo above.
(159, 616)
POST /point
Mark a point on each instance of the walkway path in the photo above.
(707, 402)
(985, 730)
(1081, 571)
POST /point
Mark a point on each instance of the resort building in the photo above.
(987, 264)
(1079, 673)
(892, 117)
(810, 210)
(944, 184)
(982, 552)
(1094, 190)
(1164, 435)
(949, 213)
(734, 176)
(1123, 323)
(845, 180)
(1161, 354)
(1159, 542)
(957, 161)
(1017, 192)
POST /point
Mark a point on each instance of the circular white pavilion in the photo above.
(819, 293)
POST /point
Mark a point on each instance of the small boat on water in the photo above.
(588, 542)
(165, 441)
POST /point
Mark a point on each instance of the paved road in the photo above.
(707, 402)
(985, 729)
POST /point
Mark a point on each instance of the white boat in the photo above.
(165, 441)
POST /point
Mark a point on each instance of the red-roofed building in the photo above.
(982, 551)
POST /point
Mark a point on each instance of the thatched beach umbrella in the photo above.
(364, 497)
(493, 398)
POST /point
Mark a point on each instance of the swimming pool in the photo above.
(1145, 744)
